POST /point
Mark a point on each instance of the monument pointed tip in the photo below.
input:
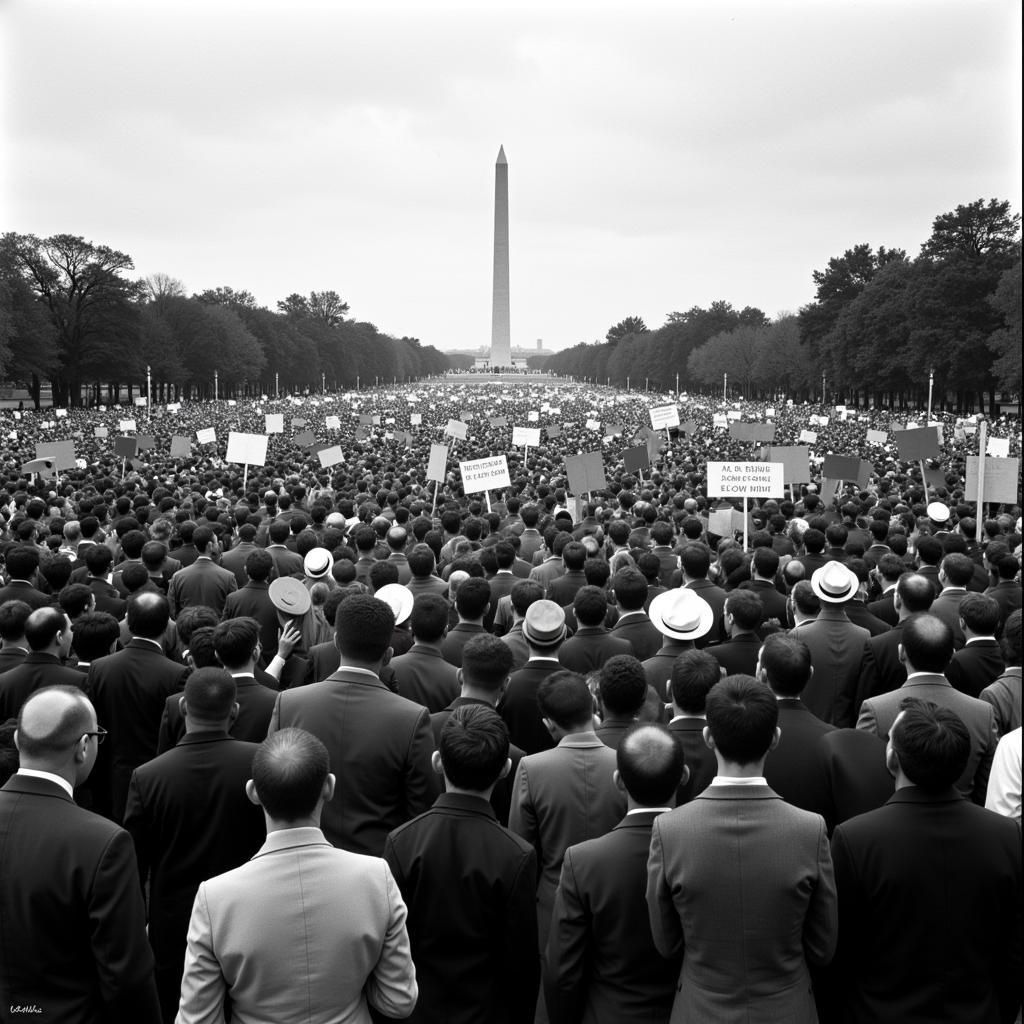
(501, 155)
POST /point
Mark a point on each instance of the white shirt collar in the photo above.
(35, 773)
(728, 780)
(975, 638)
(648, 810)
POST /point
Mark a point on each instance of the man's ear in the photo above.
(901, 656)
(181, 706)
(250, 792)
(388, 655)
(435, 762)
(617, 779)
(328, 791)
(709, 740)
(506, 768)
(775, 739)
(235, 708)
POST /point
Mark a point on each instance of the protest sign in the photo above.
(720, 420)
(100, 432)
(745, 479)
(841, 468)
(636, 460)
(146, 442)
(46, 468)
(415, 419)
(248, 449)
(330, 456)
(593, 424)
(526, 437)
(332, 422)
(457, 429)
(298, 421)
(437, 468)
(1000, 480)
(141, 401)
(125, 426)
(274, 423)
(917, 444)
(304, 439)
(808, 436)
(181, 447)
(60, 413)
(484, 474)
(61, 453)
(533, 416)
(877, 437)
(796, 462)
(125, 447)
(689, 427)
(664, 416)
(501, 421)
(553, 432)
(208, 435)
(586, 473)
(998, 447)
(933, 478)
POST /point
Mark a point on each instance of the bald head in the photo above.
(651, 764)
(915, 593)
(50, 725)
(288, 772)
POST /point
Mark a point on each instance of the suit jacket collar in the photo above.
(346, 675)
(33, 786)
(466, 803)
(927, 679)
(915, 795)
(40, 658)
(291, 839)
(581, 739)
(424, 651)
(141, 643)
(739, 793)
(213, 736)
(256, 585)
(641, 819)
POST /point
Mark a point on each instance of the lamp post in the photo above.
(277, 385)
(725, 387)
(216, 385)
(627, 383)
(677, 385)
(323, 383)
(149, 395)
(823, 389)
(931, 384)
(357, 382)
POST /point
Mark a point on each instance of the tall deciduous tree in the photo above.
(624, 328)
(975, 230)
(1005, 342)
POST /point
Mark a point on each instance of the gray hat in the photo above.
(544, 625)
(289, 596)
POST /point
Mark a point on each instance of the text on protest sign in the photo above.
(526, 437)
(457, 429)
(248, 449)
(484, 474)
(1000, 480)
(664, 416)
(752, 479)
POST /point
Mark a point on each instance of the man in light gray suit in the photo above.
(926, 650)
(303, 930)
(740, 881)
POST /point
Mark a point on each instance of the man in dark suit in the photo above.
(476, 956)
(1006, 590)
(181, 838)
(929, 890)
(471, 602)
(234, 559)
(926, 650)
(693, 675)
(13, 645)
(421, 674)
(622, 692)
(236, 644)
(544, 633)
(253, 600)
(888, 573)
(681, 618)
(695, 564)
(602, 965)
(764, 565)
(21, 563)
(752, 916)
(955, 573)
(129, 689)
(980, 661)
(486, 667)
(591, 645)
(48, 633)
(850, 767)
(380, 743)
(881, 670)
(743, 613)
(203, 582)
(784, 665)
(629, 587)
(98, 560)
(73, 939)
(563, 588)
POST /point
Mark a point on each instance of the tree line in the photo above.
(879, 324)
(72, 315)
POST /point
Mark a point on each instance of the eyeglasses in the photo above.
(100, 734)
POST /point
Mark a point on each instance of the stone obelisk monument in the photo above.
(501, 335)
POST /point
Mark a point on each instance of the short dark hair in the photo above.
(201, 649)
(523, 594)
(42, 627)
(473, 597)
(1011, 641)
(63, 731)
(891, 568)
(980, 614)
(814, 541)
(742, 714)
(94, 635)
(929, 549)
(630, 588)
(590, 606)
(693, 675)
(473, 746)
(202, 537)
(915, 592)
(235, 641)
(193, 617)
(932, 744)
(486, 662)
(958, 568)
(805, 600)
(13, 616)
(74, 600)
(259, 565)
(148, 615)
(421, 561)
(927, 643)
(765, 562)
(429, 617)
(745, 607)
(565, 698)
(787, 662)
(622, 684)
(210, 693)
(695, 560)
(650, 761)
(382, 573)
(97, 559)
(22, 561)
(289, 770)
(363, 628)
(153, 554)
(574, 554)
(134, 576)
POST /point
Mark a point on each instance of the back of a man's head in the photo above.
(472, 599)
(210, 694)
(148, 615)
(630, 588)
(931, 743)
(473, 747)
(421, 561)
(486, 663)
(1011, 641)
(235, 641)
(695, 560)
(746, 609)
(765, 562)
(363, 628)
(927, 643)
(805, 601)
(429, 618)
(259, 565)
(50, 722)
(288, 772)
(915, 592)
(523, 594)
(94, 635)
(590, 606)
(742, 715)
(622, 684)
(42, 627)
(278, 531)
(786, 661)
(980, 614)
(958, 569)
(13, 616)
(565, 699)
(21, 562)
(693, 675)
(814, 541)
(651, 762)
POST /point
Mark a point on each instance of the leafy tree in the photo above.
(159, 287)
(976, 230)
(1005, 341)
(89, 302)
(624, 328)
(227, 296)
(327, 306)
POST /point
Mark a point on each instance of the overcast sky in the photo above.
(661, 155)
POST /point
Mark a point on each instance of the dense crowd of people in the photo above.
(314, 739)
